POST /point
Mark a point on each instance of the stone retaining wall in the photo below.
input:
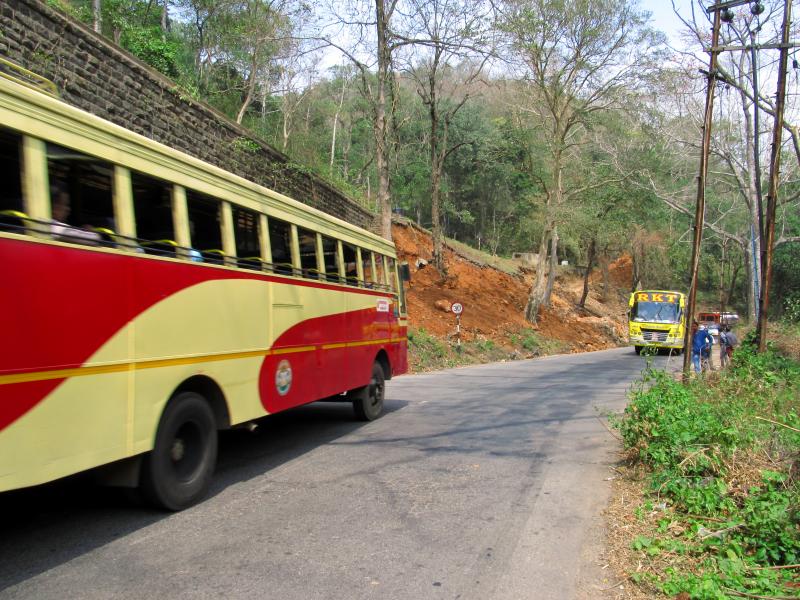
(101, 78)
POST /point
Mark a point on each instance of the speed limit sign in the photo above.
(457, 308)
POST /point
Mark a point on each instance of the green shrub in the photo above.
(689, 435)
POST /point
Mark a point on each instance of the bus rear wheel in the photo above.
(177, 472)
(368, 401)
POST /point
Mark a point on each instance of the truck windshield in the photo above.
(655, 312)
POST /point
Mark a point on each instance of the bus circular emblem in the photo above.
(283, 377)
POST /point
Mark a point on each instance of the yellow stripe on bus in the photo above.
(173, 362)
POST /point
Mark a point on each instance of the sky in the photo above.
(663, 16)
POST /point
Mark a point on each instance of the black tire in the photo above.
(637, 349)
(368, 401)
(177, 472)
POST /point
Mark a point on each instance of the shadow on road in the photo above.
(45, 526)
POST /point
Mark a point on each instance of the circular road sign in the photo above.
(457, 308)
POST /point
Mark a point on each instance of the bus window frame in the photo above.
(340, 260)
(122, 197)
(359, 267)
(320, 257)
(228, 238)
(333, 276)
(35, 178)
(392, 273)
(295, 249)
(374, 265)
(385, 283)
(264, 242)
(180, 222)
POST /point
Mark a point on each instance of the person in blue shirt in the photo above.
(701, 346)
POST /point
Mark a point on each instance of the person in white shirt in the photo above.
(59, 199)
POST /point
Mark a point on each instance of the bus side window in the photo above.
(391, 272)
(380, 271)
(152, 210)
(245, 232)
(205, 227)
(350, 266)
(308, 252)
(81, 196)
(331, 258)
(12, 216)
(369, 276)
(280, 243)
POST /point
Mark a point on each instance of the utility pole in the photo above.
(699, 218)
(700, 209)
(774, 170)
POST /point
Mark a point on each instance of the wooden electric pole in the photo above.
(700, 209)
(768, 241)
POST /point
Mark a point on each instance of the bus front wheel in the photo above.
(368, 401)
(177, 472)
(637, 349)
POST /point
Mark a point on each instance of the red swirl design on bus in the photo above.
(94, 295)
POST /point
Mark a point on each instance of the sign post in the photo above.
(457, 309)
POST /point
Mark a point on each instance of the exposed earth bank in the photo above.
(494, 298)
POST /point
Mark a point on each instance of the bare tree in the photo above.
(264, 31)
(450, 42)
(346, 82)
(370, 46)
(576, 56)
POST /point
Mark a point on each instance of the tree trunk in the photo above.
(752, 256)
(436, 174)
(335, 123)
(251, 87)
(637, 262)
(97, 13)
(602, 259)
(753, 198)
(165, 21)
(287, 126)
(539, 283)
(553, 268)
(384, 199)
(589, 261)
(734, 277)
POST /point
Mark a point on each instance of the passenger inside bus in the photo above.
(81, 197)
(61, 230)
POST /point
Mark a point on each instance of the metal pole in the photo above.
(757, 161)
(774, 171)
(701, 199)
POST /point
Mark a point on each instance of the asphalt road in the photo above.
(479, 483)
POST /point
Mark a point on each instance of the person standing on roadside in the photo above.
(723, 347)
(731, 341)
(701, 346)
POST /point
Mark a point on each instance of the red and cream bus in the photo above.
(151, 299)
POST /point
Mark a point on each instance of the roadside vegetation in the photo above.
(719, 462)
(427, 352)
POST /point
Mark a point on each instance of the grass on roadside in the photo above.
(723, 480)
(427, 352)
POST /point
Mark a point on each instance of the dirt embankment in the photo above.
(494, 301)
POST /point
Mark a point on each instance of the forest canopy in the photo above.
(566, 128)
